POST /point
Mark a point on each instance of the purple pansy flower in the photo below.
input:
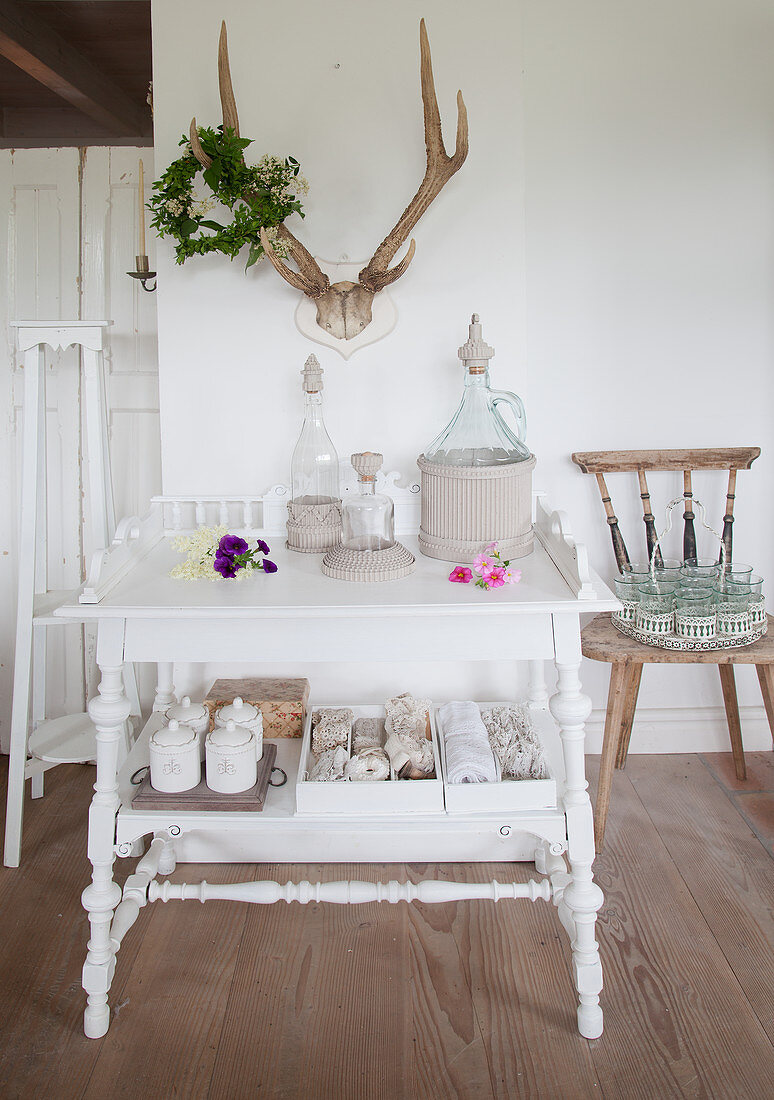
(225, 566)
(232, 544)
(263, 546)
(268, 566)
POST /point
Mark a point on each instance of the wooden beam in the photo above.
(36, 127)
(29, 42)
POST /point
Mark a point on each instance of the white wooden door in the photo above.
(67, 233)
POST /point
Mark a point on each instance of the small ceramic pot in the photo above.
(173, 753)
(191, 714)
(243, 714)
(231, 761)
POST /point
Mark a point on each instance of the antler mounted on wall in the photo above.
(344, 308)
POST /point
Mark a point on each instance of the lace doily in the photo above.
(514, 741)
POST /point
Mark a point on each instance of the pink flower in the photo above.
(461, 574)
(496, 577)
(511, 575)
(483, 564)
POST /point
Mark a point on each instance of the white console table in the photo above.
(297, 615)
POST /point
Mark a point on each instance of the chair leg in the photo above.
(616, 699)
(630, 705)
(732, 715)
(766, 680)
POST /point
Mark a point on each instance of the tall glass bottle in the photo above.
(477, 434)
(314, 467)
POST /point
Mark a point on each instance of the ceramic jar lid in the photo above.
(239, 712)
(186, 711)
(230, 736)
(176, 735)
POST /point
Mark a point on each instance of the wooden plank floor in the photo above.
(461, 1000)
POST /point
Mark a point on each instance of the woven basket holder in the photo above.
(314, 528)
(465, 508)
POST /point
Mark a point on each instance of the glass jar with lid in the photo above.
(368, 517)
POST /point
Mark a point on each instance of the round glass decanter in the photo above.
(477, 434)
(314, 467)
(368, 517)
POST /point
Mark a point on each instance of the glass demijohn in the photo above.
(477, 434)
(314, 467)
(367, 518)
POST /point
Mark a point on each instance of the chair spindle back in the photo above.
(600, 463)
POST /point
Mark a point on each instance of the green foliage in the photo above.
(262, 195)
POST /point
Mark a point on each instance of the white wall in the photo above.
(613, 226)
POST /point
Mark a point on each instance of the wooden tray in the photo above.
(202, 798)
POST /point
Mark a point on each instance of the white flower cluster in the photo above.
(200, 549)
(176, 207)
(277, 242)
(202, 206)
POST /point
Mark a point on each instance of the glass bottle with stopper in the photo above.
(476, 475)
(314, 511)
(477, 434)
(368, 550)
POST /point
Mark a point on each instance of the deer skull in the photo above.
(344, 308)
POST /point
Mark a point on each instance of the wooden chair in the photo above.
(602, 642)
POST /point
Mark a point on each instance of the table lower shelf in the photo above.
(280, 835)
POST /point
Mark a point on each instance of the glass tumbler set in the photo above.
(696, 599)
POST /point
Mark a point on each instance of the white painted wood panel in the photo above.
(67, 237)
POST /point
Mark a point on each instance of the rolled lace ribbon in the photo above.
(515, 742)
(367, 733)
(469, 756)
(329, 765)
(330, 727)
(409, 750)
(369, 764)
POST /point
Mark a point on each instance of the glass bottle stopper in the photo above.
(312, 374)
(475, 353)
(367, 465)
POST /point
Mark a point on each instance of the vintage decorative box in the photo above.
(282, 702)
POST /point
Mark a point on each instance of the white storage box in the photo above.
(508, 794)
(372, 798)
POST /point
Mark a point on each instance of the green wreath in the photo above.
(261, 196)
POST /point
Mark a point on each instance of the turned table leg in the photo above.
(582, 897)
(108, 711)
(728, 684)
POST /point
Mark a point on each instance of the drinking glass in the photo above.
(695, 615)
(626, 589)
(654, 611)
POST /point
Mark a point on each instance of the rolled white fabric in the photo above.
(469, 756)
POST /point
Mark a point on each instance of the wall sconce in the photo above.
(141, 271)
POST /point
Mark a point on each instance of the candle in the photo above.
(142, 209)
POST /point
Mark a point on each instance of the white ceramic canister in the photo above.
(191, 714)
(243, 714)
(174, 758)
(231, 761)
